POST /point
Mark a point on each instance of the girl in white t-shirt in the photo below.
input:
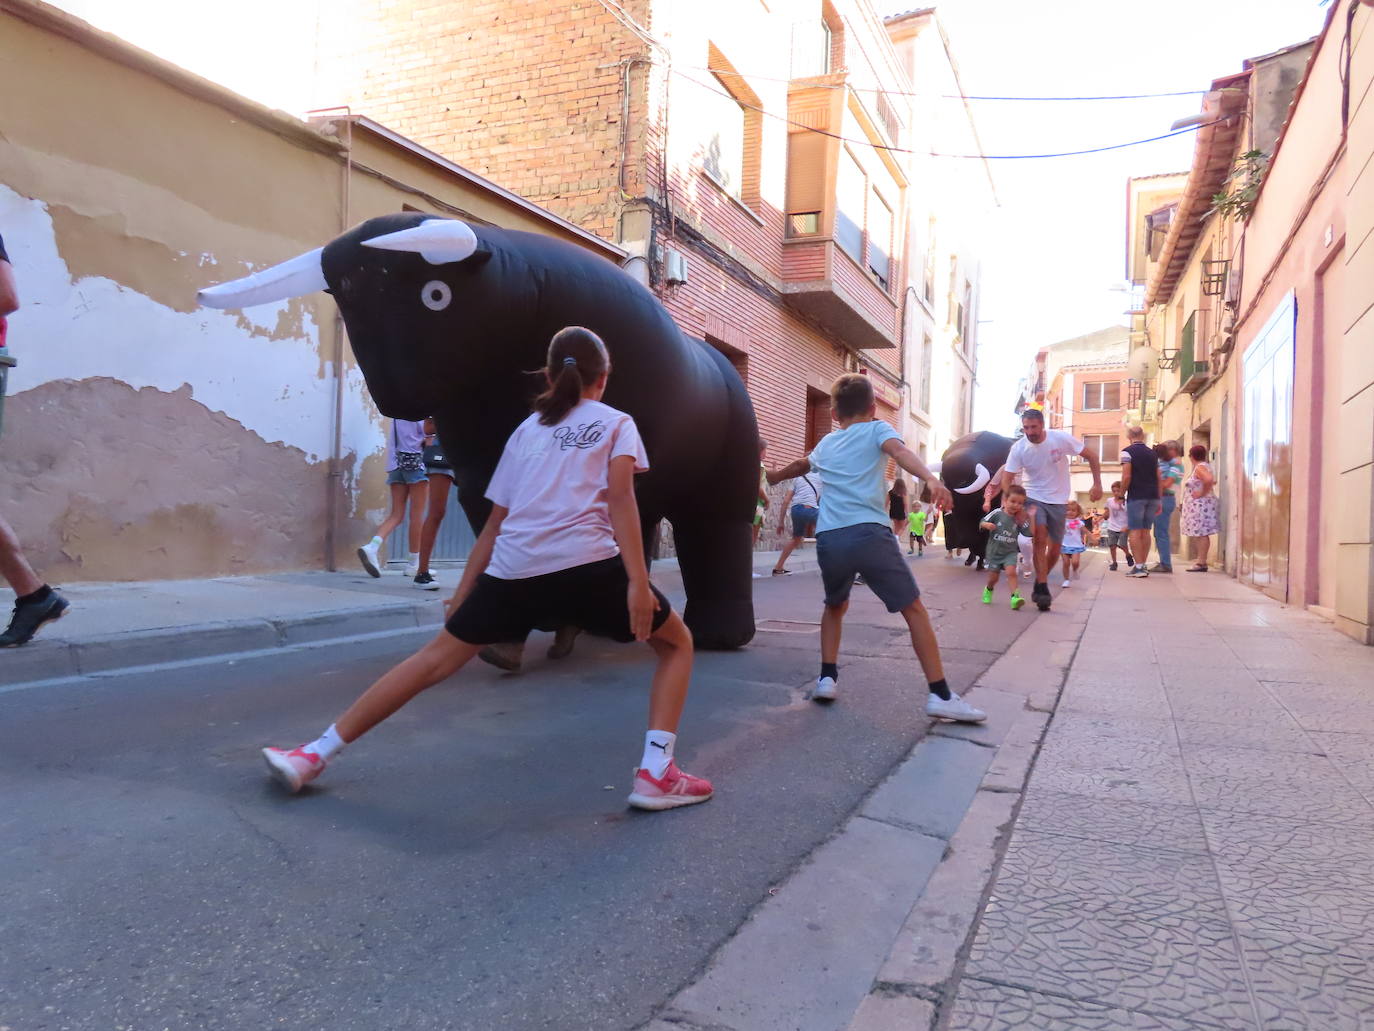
(562, 547)
(1073, 547)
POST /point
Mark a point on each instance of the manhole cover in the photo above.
(787, 626)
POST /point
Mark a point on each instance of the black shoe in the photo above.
(1042, 598)
(1112, 567)
(28, 618)
(971, 559)
(426, 582)
(1130, 562)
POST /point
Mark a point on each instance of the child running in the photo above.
(917, 520)
(854, 537)
(1117, 525)
(1073, 546)
(1005, 526)
(562, 547)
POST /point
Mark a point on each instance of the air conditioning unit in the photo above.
(674, 267)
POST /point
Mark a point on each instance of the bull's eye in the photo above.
(436, 295)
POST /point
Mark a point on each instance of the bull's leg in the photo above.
(716, 561)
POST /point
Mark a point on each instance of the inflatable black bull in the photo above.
(966, 468)
(447, 319)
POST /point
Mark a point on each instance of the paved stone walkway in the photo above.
(1196, 844)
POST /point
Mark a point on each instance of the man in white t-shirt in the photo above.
(1042, 458)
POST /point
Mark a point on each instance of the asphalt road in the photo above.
(469, 865)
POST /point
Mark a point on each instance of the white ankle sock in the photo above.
(658, 751)
(376, 542)
(414, 559)
(327, 745)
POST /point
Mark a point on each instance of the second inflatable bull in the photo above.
(967, 467)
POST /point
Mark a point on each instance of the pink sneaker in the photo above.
(673, 789)
(294, 769)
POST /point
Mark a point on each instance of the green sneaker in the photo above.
(1017, 601)
(987, 595)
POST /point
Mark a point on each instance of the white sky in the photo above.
(1057, 244)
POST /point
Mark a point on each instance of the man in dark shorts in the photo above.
(1042, 456)
(1140, 476)
(36, 604)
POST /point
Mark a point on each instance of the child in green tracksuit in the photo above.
(917, 522)
(1004, 525)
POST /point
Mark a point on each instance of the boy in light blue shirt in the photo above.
(854, 537)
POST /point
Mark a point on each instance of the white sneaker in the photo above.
(824, 691)
(412, 570)
(953, 708)
(1064, 584)
(367, 555)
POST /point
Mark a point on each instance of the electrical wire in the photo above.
(950, 96)
(937, 154)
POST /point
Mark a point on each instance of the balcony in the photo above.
(822, 282)
(838, 268)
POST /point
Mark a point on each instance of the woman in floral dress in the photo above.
(1200, 507)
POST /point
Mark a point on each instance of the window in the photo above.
(1107, 446)
(927, 353)
(724, 159)
(810, 48)
(879, 237)
(1101, 397)
(850, 188)
(805, 182)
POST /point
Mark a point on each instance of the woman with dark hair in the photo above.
(896, 506)
(1170, 475)
(1200, 508)
(562, 547)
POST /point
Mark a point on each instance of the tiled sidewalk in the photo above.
(1196, 846)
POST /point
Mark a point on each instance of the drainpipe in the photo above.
(335, 483)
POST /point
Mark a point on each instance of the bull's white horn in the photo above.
(300, 275)
(979, 482)
(935, 467)
(437, 240)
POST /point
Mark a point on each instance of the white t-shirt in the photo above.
(555, 481)
(1044, 467)
(1116, 514)
(804, 490)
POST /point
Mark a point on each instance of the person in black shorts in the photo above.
(562, 546)
(35, 603)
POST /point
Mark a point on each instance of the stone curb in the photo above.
(917, 982)
(58, 660)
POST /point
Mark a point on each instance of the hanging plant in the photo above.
(1241, 187)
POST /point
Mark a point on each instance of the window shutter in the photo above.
(1112, 398)
(849, 216)
(805, 172)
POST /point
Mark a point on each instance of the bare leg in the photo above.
(992, 579)
(1203, 546)
(397, 513)
(1011, 578)
(436, 661)
(922, 640)
(13, 565)
(832, 624)
(419, 499)
(1040, 553)
(1140, 546)
(1068, 562)
(793, 543)
(672, 643)
(434, 516)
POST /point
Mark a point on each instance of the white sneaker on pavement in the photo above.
(953, 708)
(824, 691)
(367, 555)
(1065, 583)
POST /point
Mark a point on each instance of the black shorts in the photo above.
(592, 597)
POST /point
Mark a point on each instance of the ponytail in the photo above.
(576, 358)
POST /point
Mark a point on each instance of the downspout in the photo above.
(335, 485)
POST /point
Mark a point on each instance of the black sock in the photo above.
(831, 670)
(940, 689)
(41, 595)
(1041, 585)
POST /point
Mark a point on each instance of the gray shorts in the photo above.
(870, 550)
(1118, 539)
(1051, 517)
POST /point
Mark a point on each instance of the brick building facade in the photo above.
(749, 160)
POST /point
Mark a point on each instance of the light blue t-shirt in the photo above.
(852, 466)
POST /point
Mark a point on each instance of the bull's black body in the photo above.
(476, 364)
(958, 469)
